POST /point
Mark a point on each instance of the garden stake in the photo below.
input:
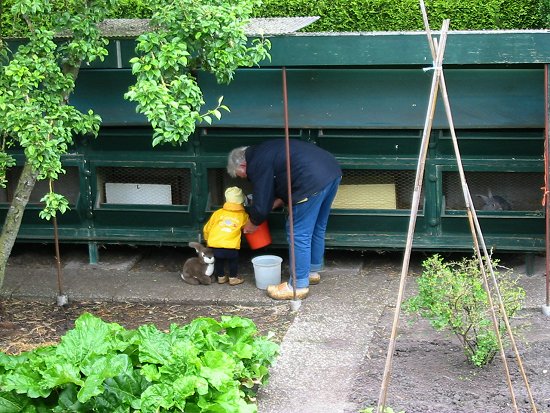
(478, 239)
(470, 211)
(294, 303)
(474, 226)
(61, 298)
(545, 198)
(414, 211)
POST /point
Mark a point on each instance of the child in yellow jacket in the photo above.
(223, 234)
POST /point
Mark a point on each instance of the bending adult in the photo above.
(315, 175)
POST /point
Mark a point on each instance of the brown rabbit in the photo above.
(197, 270)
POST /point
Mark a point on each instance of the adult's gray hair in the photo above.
(235, 159)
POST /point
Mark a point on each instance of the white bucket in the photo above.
(267, 270)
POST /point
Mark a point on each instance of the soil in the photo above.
(430, 372)
(28, 324)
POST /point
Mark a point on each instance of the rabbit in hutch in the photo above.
(197, 270)
(494, 203)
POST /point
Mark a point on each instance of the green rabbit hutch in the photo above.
(363, 97)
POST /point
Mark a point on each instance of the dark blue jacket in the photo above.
(311, 169)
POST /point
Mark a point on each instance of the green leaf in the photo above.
(121, 391)
(157, 396)
(68, 401)
(217, 114)
(90, 337)
(61, 372)
(155, 346)
(10, 402)
(25, 377)
(217, 369)
(150, 372)
(105, 367)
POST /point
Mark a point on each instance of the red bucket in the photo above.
(259, 238)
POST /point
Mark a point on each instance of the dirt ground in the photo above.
(27, 324)
(430, 372)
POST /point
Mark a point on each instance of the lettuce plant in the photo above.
(204, 366)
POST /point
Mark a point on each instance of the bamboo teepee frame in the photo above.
(438, 83)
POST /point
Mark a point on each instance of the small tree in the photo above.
(36, 81)
(452, 297)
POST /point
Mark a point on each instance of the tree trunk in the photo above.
(15, 216)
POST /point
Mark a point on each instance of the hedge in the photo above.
(359, 15)
(404, 15)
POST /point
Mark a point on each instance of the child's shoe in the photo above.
(235, 280)
(222, 280)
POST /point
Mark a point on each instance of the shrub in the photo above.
(355, 15)
(404, 15)
(451, 295)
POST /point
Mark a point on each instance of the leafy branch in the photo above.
(189, 37)
(35, 89)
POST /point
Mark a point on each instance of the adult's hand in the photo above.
(249, 227)
(278, 203)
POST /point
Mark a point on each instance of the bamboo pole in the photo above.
(439, 81)
(546, 197)
(478, 238)
(414, 212)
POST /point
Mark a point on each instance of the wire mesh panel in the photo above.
(495, 191)
(376, 189)
(359, 189)
(219, 181)
(67, 185)
(143, 186)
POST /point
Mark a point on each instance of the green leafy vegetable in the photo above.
(204, 366)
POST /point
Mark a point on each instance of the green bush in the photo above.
(544, 12)
(404, 15)
(451, 295)
(356, 15)
(133, 9)
(14, 26)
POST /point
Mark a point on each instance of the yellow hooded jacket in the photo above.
(224, 228)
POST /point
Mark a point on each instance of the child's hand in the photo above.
(249, 227)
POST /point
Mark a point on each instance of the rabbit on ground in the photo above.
(197, 270)
(494, 203)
